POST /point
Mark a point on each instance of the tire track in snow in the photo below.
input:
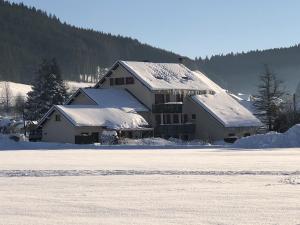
(55, 173)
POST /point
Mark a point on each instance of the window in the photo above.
(179, 98)
(119, 81)
(57, 117)
(129, 80)
(159, 98)
(158, 119)
(185, 118)
(111, 81)
(231, 134)
(175, 118)
(167, 119)
(167, 98)
(193, 116)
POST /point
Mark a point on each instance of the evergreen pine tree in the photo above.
(268, 101)
(48, 90)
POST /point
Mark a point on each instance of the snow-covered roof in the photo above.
(162, 76)
(113, 118)
(227, 110)
(114, 98)
(223, 107)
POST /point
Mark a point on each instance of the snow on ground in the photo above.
(16, 88)
(23, 89)
(290, 138)
(208, 187)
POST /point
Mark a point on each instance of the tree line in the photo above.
(29, 35)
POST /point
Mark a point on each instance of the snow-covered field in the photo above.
(182, 186)
(23, 89)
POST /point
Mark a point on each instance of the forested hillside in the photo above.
(240, 72)
(28, 35)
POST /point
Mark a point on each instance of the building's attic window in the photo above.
(129, 80)
(119, 81)
(57, 117)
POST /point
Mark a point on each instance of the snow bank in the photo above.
(289, 139)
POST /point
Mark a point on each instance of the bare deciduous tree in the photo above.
(6, 97)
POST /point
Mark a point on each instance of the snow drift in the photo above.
(289, 139)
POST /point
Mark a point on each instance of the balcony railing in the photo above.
(167, 108)
(175, 129)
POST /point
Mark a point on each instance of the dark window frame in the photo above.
(167, 97)
(129, 80)
(57, 118)
(175, 118)
(167, 119)
(159, 98)
(119, 81)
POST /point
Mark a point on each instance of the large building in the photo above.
(140, 99)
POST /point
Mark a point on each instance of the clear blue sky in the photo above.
(188, 27)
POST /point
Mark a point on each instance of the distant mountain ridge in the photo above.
(240, 72)
(27, 35)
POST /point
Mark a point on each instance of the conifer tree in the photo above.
(48, 90)
(268, 101)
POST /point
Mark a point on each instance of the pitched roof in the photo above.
(89, 115)
(114, 98)
(111, 98)
(223, 107)
(163, 76)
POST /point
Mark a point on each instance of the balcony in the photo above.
(175, 129)
(175, 107)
